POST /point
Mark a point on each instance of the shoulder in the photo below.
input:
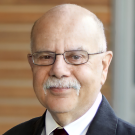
(107, 120)
(23, 128)
(124, 128)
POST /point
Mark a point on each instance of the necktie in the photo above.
(60, 132)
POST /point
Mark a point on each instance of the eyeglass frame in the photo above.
(31, 55)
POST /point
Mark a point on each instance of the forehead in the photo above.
(50, 35)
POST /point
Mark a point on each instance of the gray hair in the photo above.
(53, 82)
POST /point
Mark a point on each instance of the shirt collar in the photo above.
(50, 123)
(77, 127)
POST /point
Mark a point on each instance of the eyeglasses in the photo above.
(75, 57)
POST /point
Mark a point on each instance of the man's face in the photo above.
(57, 37)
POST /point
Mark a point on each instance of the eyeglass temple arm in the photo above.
(95, 53)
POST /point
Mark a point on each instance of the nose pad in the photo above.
(59, 68)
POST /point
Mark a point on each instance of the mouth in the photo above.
(59, 90)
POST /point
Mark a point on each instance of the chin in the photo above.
(61, 103)
(56, 111)
(61, 110)
(61, 107)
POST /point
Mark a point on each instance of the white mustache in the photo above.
(61, 83)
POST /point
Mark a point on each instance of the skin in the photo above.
(64, 28)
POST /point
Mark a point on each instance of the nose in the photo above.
(60, 68)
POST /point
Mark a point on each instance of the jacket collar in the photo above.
(39, 125)
(104, 122)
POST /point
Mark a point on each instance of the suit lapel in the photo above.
(39, 125)
(104, 122)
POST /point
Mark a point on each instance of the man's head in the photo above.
(61, 86)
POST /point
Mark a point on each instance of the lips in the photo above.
(59, 90)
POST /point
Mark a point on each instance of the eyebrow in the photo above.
(44, 51)
(79, 48)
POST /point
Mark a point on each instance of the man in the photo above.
(69, 62)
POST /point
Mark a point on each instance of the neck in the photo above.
(62, 119)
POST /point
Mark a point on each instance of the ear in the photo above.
(105, 63)
(29, 57)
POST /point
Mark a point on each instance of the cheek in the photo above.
(40, 74)
(38, 77)
(90, 86)
(89, 75)
(83, 74)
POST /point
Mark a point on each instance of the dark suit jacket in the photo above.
(105, 122)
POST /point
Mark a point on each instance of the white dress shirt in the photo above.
(77, 127)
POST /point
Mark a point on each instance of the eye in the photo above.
(45, 57)
(76, 57)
